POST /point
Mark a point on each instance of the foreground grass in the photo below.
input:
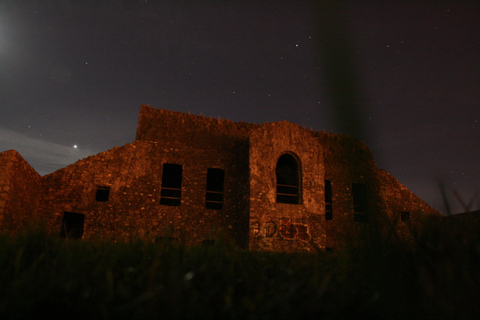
(43, 276)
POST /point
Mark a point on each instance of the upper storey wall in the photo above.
(347, 161)
(159, 125)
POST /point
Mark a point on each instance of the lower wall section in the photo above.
(286, 234)
(120, 192)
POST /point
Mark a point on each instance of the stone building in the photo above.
(272, 186)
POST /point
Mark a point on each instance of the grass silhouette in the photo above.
(436, 276)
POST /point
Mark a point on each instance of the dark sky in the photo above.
(74, 74)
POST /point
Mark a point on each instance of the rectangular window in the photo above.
(405, 216)
(72, 225)
(359, 192)
(214, 194)
(171, 193)
(328, 200)
(102, 194)
(208, 242)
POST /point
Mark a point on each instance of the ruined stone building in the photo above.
(272, 186)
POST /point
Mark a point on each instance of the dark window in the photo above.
(214, 194)
(102, 194)
(405, 216)
(171, 193)
(328, 200)
(359, 192)
(72, 225)
(288, 186)
(208, 242)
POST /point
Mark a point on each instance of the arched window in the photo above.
(288, 180)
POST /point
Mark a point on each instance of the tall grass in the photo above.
(44, 276)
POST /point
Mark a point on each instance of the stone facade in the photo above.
(273, 186)
(19, 191)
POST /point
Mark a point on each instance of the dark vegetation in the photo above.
(435, 276)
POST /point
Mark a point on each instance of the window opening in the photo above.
(208, 242)
(72, 225)
(215, 186)
(359, 202)
(328, 200)
(171, 193)
(103, 193)
(288, 187)
(405, 216)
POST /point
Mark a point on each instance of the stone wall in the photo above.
(251, 216)
(284, 226)
(158, 125)
(19, 186)
(405, 210)
(134, 175)
(6, 163)
(349, 161)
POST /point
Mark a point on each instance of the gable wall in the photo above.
(19, 191)
(284, 226)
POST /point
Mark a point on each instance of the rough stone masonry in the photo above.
(273, 186)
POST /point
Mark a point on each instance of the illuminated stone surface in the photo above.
(250, 215)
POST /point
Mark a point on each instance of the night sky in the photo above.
(74, 74)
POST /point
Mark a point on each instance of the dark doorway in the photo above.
(72, 225)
